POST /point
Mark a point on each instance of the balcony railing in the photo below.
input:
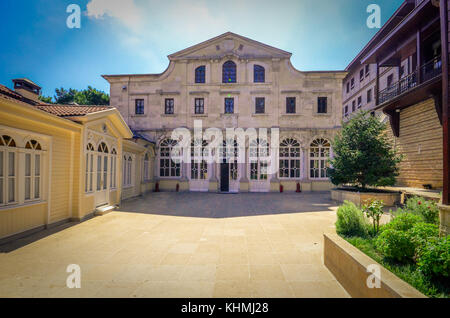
(427, 72)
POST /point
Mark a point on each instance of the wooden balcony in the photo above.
(420, 78)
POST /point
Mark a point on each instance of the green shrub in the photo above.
(426, 208)
(422, 232)
(395, 244)
(351, 220)
(403, 221)
(434, 258)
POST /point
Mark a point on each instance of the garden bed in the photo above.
(360, 196)
(409, 245)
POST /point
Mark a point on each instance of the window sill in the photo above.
(323, 114)
(138, 115)
(199, 115)
(20, 205)
(229, 115)
(290, 115)
(260, 115)
(169, 178)
(168, 115)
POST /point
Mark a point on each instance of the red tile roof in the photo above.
(71, 110)
(55, 109)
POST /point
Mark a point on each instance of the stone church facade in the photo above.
(234, 82)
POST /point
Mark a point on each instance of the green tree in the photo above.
(63, 96)
(89, 96)
(364, 156)
(46, 99)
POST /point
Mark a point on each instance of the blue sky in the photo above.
(135, 36)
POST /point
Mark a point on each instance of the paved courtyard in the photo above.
(185, 245)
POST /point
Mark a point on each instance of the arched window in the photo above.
(167, 167)
(32, 171)
(102, 167)
(319, 156)
(200, 74)
(146, 167)
(127, 170)
(89, 167)
(8, 170)
(259, 74)
(199, 166)
(113, 180)
(229, 72)
(258, 159)
(290, 159)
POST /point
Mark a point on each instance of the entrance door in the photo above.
(101, 193)
(225, 177)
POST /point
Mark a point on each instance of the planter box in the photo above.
(350, 267)
(359, 198)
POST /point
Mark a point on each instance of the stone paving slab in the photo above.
(129, 254)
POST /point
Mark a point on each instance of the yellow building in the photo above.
(64, 162)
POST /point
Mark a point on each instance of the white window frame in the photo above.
(319, 158)
(113, 167)
(25, 144)
(166, 155)
(128, 170)
(259, 154)
(33, 153)
(288, 144)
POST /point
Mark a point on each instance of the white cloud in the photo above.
(125, 11)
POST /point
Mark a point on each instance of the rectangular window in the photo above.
(37, 176)
(359, 102)
(229, 105)
(290, 105)
(139, 107)
(169, 106)
(346, 110)
(353, 106)
(260, 104)
(322, 105)
(361, 75)
(11, 177)
(99, 173)
(27, 176)
(348, 87)
(199, 106)
(367, 70)
(369, 96)
(352, 83)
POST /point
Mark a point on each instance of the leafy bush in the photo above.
(395, 244)
(428, 209)
(403, 222)
(422, 232)
(434, 258)
(351, 220)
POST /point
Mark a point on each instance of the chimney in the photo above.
(27, 88)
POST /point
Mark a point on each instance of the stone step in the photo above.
(104, 209)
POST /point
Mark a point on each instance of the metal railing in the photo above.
(427, 71)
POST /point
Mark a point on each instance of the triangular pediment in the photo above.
(229, 44)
